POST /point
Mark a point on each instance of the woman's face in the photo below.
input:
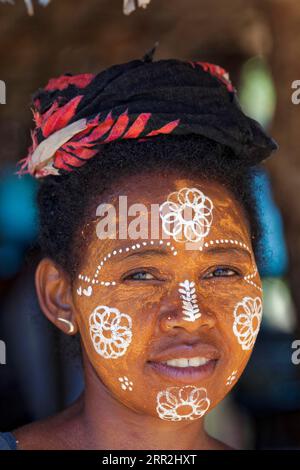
(168, 321)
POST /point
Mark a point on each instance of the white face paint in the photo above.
(232, 377)
(187, 215)
(95, 281)
(247, 317)
(248, 277)
(125, 383)
(186, 403)
(110, 331)
(188, 295)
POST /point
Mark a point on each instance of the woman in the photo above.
(149, 229)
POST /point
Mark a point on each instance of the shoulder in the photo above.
(54, 433)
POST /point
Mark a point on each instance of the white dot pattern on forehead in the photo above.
(95, 281)
(222, 241)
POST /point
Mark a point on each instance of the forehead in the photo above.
(153, 188)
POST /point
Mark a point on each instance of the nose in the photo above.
(190, 315)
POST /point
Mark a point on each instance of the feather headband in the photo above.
(141, 99)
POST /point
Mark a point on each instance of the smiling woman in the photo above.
(167, 320)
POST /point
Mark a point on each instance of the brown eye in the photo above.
(222, 272)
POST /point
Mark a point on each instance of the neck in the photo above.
(108, 424)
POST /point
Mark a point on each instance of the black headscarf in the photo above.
(142, 99)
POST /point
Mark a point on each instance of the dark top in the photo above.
(7, 441)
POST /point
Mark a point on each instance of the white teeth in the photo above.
(183, 362)
(198, 361)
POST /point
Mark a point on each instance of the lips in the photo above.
(185, 375)
(186, 363)
(187, 351)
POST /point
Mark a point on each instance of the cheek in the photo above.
(111, 326)
(116, 335)
(238, 310)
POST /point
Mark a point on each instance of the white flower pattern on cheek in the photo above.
(186, 403)
(110, 331)
(247, 317)
(173, 213)
(188, 295)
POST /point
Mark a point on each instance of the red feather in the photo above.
(82, 153)
(118, 128)
(59, 161)
(137, 126)
(61, 118)
(90, 124)
(217, 72)
(98, 132)
(62, 82)
(166, 129)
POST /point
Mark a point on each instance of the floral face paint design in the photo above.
(188, 295)
(247, 317)
(110, 331)
(186, 403)
(178, 341)
(187, 215)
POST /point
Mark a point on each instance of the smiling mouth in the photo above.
(185, 370)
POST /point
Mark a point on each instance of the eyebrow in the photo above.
(228, 249)
(148, 252)
(162, 252)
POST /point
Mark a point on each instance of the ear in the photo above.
(55, 295)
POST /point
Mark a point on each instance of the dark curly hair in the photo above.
(67, 202)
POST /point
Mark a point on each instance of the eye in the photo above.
(221, 272)
(140, 276)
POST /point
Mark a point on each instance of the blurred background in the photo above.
(257, 41)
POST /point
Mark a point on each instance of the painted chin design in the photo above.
(178, 404)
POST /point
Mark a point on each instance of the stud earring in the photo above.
(67, 322)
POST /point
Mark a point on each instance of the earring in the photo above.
(67, 322)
